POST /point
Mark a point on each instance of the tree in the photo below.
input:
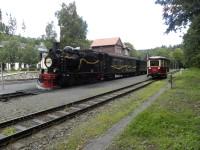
(178, 13)
(12, 25)
(178, 55)
(0, 16)
(73, 28)
(133, 52)
(11, 51)
(192, 44)
(2, 55)
(50, 31)
(23, 27)
(3, 27)
(50, 36)
(30, 55)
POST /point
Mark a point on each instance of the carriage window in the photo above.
(165, 64)
(154, 63)
(162, 63)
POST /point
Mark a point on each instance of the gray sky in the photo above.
(136, 21)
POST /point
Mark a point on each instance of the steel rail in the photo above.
(18, 81)
(60, 113)
(7, 96)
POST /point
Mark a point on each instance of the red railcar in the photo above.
(158, 66)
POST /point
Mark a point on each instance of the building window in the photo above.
(118, 50)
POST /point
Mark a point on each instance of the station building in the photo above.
(111, 46)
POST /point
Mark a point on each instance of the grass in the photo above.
(97, 125)
(9, 131)
(173, 122)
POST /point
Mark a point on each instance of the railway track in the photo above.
(29, 124)
(6, 97)
(28, 92)
(18, 81)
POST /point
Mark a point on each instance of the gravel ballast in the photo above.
(30, 104)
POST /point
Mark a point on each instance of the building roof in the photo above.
(105, 42)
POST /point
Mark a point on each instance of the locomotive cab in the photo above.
(157, 66)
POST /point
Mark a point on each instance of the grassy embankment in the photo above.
(173, 122)
(106, 117)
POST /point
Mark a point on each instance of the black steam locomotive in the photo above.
(70, 66)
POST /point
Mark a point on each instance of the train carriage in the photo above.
(121, 65)
(158, 66)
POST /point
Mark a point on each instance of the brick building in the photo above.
(111, 46)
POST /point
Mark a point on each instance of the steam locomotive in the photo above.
(70, 66)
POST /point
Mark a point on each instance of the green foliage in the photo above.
(171, 123)
(48, 43)
(11, 50)
(178, 55)
(50, 36)
(15, 51)
(50, 32)
(192, 44)
(133, 52)
(16, 48)
(2, 55)
(73, 28)
(30, 55)
(173, 53)
(129, 45)
(178, 13)
(9, 131)
(12, 25)
(23, 26)
(3, 29)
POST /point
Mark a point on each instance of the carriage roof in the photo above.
(158, 57)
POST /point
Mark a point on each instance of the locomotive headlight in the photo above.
(48, 62)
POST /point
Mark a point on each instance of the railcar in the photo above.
(158, 66)
(69, 66)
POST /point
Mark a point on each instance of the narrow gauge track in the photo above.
(6, 97)
(28, 92)
(18, 81)
(27, 125)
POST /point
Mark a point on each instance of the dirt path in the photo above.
(104, 141)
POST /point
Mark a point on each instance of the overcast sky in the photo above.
(136, 21)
